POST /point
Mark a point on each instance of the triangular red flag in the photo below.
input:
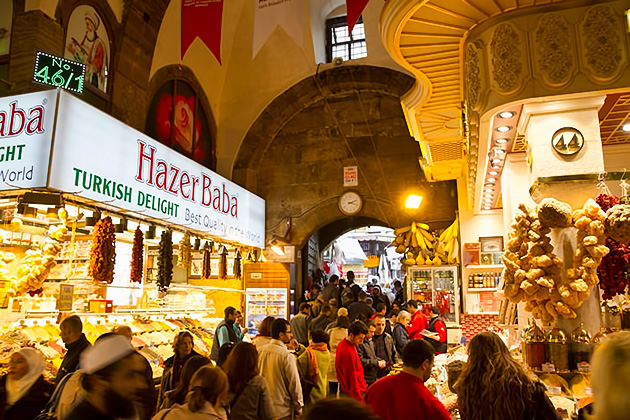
(203, 19)
(354, 9)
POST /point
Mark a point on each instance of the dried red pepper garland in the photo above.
(613, 275)
(137, 255)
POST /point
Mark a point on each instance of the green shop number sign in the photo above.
(59, 72)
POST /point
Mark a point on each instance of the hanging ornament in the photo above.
(223, 262)
(103, 252)
(237, 265)
(165, 261)
(206, 269)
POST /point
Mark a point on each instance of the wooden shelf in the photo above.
(481, 289)
(489, 267)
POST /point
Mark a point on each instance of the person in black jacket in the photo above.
(72, 335)
(360, 308)
(399, 332)
(174, 365)
(371, 363)
(23, 391)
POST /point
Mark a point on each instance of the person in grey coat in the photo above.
(300, 324)
(401, 337)
(322, 321)
(371, 363)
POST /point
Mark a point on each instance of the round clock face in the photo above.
(350, 203)
(567, 141)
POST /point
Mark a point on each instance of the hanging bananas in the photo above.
(421, 247)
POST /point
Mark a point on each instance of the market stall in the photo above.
(99, 220)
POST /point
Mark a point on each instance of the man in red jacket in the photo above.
(418, 321)
(347, 363)
(404, 396)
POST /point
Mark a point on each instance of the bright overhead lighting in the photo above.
(413, 201)
(491, 180)
(486, 207)
(626, 127)
(502, 141)
(503, 128)
(507, 114)
(489, 195)
(500, 151)
(496, 161)
(488, 199)
(278, 249)
(493, 173)
(489, 190)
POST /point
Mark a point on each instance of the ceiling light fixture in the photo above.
(503, 128)
(626, 127)
(500, 151)
(491, 180)
(413, 201)
(489, 190)
(493, 173)
(489, 195)
(507, 114)
(502, 140)
(486, 207)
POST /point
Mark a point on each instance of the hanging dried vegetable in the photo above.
(103, 251)
(137, 255)
(223, 263)
(165, 261)
(613, 270)
(206, 270)
(237, 265)
(185, 252)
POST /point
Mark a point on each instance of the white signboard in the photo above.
(97, 157)
(26, 128)
(350, 176)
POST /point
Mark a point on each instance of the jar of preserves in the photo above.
(611, 316)
(536, 349)
(558, 349)
(581, 347)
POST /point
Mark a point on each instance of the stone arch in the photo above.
(294, 154)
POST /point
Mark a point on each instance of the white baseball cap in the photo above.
(105, 352)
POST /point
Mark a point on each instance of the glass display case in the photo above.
(263, 302)
(436, 286)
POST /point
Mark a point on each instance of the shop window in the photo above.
(177, 120)
(87, 41)
(341, 44)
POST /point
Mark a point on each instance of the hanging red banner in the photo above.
(203, 19)
(354, 8)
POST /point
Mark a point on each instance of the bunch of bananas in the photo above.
(421, 247)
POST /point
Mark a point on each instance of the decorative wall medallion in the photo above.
(602, 42)
(473, 81)
(553, 48)
(567, 141)
(505, 49)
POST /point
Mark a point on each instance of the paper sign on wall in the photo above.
(350, 176)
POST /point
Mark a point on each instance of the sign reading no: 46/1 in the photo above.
(59, 72)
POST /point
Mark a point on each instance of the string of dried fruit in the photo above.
(613, 270)
(103, 251)
(165, 261)
(223, 263)
(237, 265)
(206, 270)
(515, 258)
(185, 252)
(137, 256)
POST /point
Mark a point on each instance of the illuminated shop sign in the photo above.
(59, 72)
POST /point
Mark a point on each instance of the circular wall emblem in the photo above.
(567, 141)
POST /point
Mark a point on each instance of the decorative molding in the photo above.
(554, 51)
(602, 43)
(505, 49)
(473, 79)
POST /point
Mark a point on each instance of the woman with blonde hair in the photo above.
(610, 378)
(208, 389)
(494, 386)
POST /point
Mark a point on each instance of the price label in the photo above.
(554, 390)
(59, 72)
(584, 367)
(548, 367)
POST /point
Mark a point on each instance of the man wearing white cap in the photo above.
(114, 375)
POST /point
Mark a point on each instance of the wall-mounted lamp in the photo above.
(150, 233)
(91, 220)
(197, 244)
(53, 213)
(413, 201)
(275, 247)
(122, 226)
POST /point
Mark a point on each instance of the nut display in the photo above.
(165, 261)
(103, 252)
(137, 256)
(618, 223)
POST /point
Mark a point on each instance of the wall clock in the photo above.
(567, 141)
(350, 203)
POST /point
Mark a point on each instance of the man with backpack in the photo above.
(227, 331)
